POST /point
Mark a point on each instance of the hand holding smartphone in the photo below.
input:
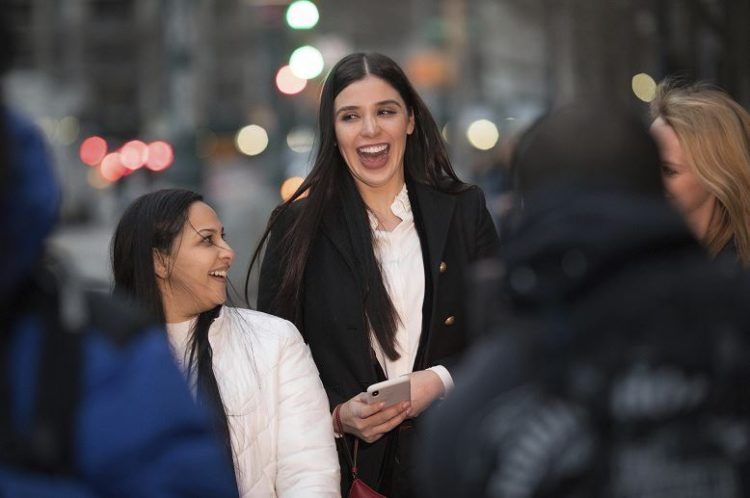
(390, 391)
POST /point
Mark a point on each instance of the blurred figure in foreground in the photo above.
(91, 403)
(704, 140)
(621, 367)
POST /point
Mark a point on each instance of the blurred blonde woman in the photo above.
(704, 141)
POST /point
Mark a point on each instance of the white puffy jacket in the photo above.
(280, 424)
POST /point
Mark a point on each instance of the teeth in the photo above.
(374, 149)
(219, 273)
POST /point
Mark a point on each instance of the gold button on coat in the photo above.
(450, 320)
(443, 267)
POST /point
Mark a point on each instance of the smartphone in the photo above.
(390, 391)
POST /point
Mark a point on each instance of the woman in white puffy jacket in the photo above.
(252, 369)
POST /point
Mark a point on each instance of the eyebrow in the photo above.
(355, 107)
(209, 230)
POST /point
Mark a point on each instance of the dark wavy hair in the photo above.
(152, 223)
(330, 184)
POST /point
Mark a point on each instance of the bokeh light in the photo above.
(429, 69)
(288, 83)
(251, 140)
(483, 134)
(93, 150)
(160, 156)
(134, 154)
(301, 140)
(302, 14)
(111, 168)
(306, 62)
(290, 186)
(644, 87)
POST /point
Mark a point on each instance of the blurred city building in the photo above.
(210, 78)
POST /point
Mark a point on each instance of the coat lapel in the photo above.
(432, 214)
(334, 228)
(435, 210)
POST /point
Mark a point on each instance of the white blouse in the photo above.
(400, 256)
(279, 422)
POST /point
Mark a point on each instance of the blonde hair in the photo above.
(714, 132)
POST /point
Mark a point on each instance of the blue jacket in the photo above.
(137, 431)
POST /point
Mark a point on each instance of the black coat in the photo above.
(454, 229)
(613, 314)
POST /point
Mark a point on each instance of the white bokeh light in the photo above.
(306, 62)
(301, 140)
(251, 140)
(483, 134)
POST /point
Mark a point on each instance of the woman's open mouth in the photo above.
(374, 156)
(219, 274)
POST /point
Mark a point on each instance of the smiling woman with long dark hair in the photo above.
(169, 253)
(370, 265)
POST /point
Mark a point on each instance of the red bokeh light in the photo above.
(288, 83)
(93, 150)
(112, 168)
(134, 154)
(160, 156)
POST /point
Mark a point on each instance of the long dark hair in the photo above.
(152, 223)
(330, 184)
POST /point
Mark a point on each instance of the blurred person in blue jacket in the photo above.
(91, 402)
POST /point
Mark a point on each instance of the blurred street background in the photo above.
(221, 95)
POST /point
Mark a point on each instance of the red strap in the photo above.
(337, 419)
(340, 430)
(356, 449)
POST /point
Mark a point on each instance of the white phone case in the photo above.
(390, 391)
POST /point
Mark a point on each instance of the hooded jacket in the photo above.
(618, 367)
